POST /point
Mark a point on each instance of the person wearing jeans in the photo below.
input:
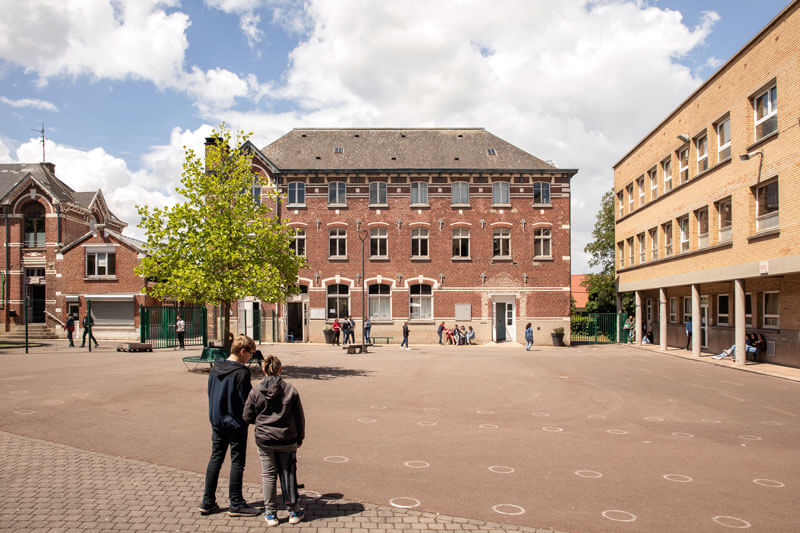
(405, 336)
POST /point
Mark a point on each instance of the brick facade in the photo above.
(738, 211)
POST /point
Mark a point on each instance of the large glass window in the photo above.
(419, 193)
(541, 194)
(100, 263)
(687, 309)
(766, 112)
(771, 310)
(461, 242)
(702, 153)
(377, 193)
(542, 242)
(683, 224)
(629, 191)
(667, 228)
(620, 252)
(631, 252)
(419, 242)
(683, 164)
(380, 302)
(297, 193)
(337, 242)
(620, 203)
(723, 309)
(338, 305)
(724, 210)
(33, 212)
(767, 205)
(459, 193)
(673, 309)
(702, 227)
(642, 248)
(640, 185)
(500, 193)
(653, 175)
(378, 243)
(299, 243)
(421, 302)
(654, 244)
(501, 242)
(337, 193)
(723, 140)
(666, 168)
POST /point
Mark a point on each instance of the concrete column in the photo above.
(739, 321)
(695, 320)
(662, 319)
(638, 317)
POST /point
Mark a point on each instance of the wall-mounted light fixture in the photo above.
(747, 156)
(683, 137)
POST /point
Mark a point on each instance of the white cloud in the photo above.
(29, 102)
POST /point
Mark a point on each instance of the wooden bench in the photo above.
(355, 348)
(373, 337)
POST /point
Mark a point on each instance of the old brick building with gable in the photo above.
(459, 226)
(61, 248)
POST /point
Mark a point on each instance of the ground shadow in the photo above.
(321, 372)
(324, 507)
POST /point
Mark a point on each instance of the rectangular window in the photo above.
(420, 302)
(337, 194)
(459, 193)
(642, 248)
(419, 243)
(765, 107)
(673, 309)
(255, 192)
(620, 203)
(667, 228)
(377, 193)
(771, 310)
(683, 224)
(500, 194)
(380, 302)
(501, 243)
(702, 153)
(748, 309)
(724, 210)
(461, 242)
(687, 309)
(683, 165)
(723, 313)
(100, 264)
(629, 190)
(337, 242)
(666, 168)
(297, 193)
(419, 193)
(541, 194)
(621, 253)
(702, 227)
(542, 243)
(640, 184)
(767, 206)
(299, 243)
(631, 254)
(653, 175)
(723, 140)
(378, 243)
(337, 300)
(654, 244)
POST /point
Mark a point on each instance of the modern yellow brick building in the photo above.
(708, 206)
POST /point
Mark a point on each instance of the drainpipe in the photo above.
(6, 289)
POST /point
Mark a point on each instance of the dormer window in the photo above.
(338, 150)
(491, 151)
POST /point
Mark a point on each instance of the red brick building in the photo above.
(61, 248)
(458, 226)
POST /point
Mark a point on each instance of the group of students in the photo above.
(754, 343)
(456, 336)
(87, 324)
(274, 408)
(348, 327)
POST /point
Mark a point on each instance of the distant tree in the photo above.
(222, 243)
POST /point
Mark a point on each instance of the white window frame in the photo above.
(748, 317)
(416, 309)
(640, 184)
(543, 237)
(255, 192)
(621, 249)
(420, 236)
(629, 191)
(631, 251)
(683, 165)
(653, 175)
(649, 310)
(501, 243)
(724, 232)
(723, 145)
(461, 235)
(379, 240)
(683, 225)
(460, 189)
(673, 309)
(653, 244)
(501, 193)
(337, 298)
(299, 242)
(701, 144)
(666, 170)
(101, 262)
(620, 200)
(340, 236)
(296, 195)
(667, 229)
(723, 319)
(642, 247)
(770, 321)
(544, 193)
(377, 193)
(702, 237)
(337, 191)
(419, 193)
(769, 219)
(687, 308)
(771, 110)
(379, 306)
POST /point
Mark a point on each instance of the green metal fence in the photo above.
(158, 326)
(596, 328)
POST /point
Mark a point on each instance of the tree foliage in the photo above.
(221, 243)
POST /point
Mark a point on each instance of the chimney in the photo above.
(50, 167)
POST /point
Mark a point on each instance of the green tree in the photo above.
(222, 243)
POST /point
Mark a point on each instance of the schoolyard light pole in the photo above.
(362, 235)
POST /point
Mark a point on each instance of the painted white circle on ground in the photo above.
(771, 423)
(18, 392)
(335, 459)
(600, 400)
(377, 407)
(426, 423)
(711, 420)
(769, 483)
(81, 395)
(24, 412)
(619, 516)
(654, 419)
(484, 412)
(416, 464)
(681, 434)
(552, 429)
(677, 477)
(597, 417)
(731, 521)
(617, 431)
(588, 473)
(430, 409)
(488, 426)
(366, 420)
(54, 402)
(508, 509)
(404, 502)
(563, 377)
(501, 469)
(540, 414)
(749, 437)
(310, 494)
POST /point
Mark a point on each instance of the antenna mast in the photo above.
(42, 132)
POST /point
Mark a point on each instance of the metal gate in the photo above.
(596, 328)
(157, 326)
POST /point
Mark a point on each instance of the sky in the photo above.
(123, 86)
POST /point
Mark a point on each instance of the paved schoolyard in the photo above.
(607, 438)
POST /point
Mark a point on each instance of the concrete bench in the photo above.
(355, 348)
(134, 347)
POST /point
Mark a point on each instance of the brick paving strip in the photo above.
(45, 486)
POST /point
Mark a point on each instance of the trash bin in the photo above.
(289, 337)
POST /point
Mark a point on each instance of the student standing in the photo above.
(439, 331)
(70, 327)
(689, 334)
(275, 409)
(180, 328)
(367, 327)
(87, 323)
(337, 329)
(405, 336)
(228, 388)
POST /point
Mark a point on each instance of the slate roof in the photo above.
(398, 149)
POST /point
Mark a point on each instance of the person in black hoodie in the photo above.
(280, 427)
(228, 387)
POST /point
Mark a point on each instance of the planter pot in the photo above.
(328, 335)
(558, 339)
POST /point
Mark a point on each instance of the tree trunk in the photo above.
(227, 338)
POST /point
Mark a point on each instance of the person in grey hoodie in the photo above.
(280, 427)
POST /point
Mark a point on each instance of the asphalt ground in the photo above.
(596, 438)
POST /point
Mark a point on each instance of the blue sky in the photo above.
(122, 86)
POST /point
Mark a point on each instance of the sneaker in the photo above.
(243, 510)
(272, 520)
(207, 509)
(295, 517)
